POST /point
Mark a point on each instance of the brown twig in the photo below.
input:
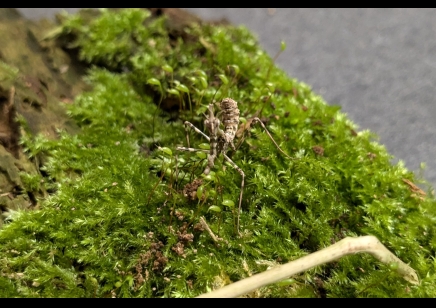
(414, 188)
(212, 235)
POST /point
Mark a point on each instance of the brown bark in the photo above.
(36, 78)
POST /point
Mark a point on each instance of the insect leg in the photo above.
(192, 126)
(242, 186)
(257, 120)
(191, 149)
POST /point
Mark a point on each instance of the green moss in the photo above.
(117, 222)
(8, 74)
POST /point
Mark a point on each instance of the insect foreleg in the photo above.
(191, 149)
(192, 126)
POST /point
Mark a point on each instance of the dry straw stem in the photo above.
(347, 246)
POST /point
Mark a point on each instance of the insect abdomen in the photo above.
(230, 116)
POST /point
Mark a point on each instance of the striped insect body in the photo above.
(230, 116)
(220, 139)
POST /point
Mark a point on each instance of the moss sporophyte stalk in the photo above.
(126, 214)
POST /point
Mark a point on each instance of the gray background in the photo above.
(378, 64)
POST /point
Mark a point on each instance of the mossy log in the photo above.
(91, 117)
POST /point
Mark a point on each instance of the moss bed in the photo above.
(121, 208)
